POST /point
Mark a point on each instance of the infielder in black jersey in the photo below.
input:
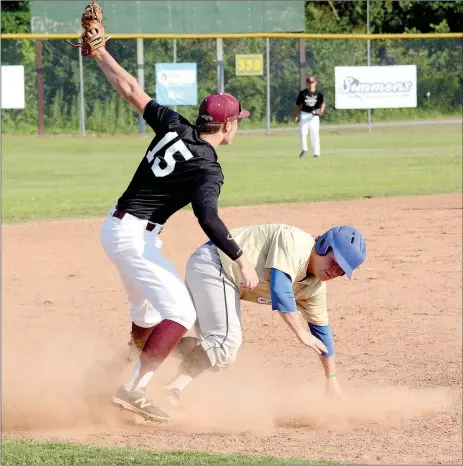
(179, 167)
(310, 106)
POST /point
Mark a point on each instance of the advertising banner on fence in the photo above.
(176, 84)
(375, 86)
(13, 95)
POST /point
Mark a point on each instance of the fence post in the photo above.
(220, 77)
(302, 54)
(82, 101)
(368, 57)
(267, 126)
(175, 61)
(40, 86)
(141, 79)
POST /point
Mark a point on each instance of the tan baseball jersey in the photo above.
(285, 248)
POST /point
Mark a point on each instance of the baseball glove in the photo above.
(92, 22)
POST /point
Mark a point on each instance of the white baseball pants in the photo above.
(217, 303)
(310, 123)
(155, 290)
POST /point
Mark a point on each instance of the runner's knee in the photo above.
(222, 354)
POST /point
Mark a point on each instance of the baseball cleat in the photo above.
(316, 156)
(173, 397)
(138, 402)
(302, 154)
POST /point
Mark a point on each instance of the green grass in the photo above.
(34, 452)
(80, 177)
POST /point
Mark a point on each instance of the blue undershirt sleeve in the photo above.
(323, 333)
(283, 300)
(281, 291)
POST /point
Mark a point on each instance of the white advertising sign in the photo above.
(176, 83)
(12, 86)
(375, 86)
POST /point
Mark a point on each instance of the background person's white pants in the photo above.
(310, 123)
(155, 290)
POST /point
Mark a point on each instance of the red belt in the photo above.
(121, 214)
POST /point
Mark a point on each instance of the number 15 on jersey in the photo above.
(168, 154)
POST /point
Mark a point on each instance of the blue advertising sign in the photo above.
(176, 83)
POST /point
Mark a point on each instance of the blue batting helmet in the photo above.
(347, 244)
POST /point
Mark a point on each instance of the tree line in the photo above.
(438, 62)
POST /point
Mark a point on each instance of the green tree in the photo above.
(438, 63)
(16, 17)
(392, 16)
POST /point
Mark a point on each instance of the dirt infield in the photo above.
(397, 327)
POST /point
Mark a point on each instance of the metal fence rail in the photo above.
(66, 94)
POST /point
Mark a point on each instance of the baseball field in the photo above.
(397, 324)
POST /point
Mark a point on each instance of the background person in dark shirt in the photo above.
(179, 167)
(310, 106)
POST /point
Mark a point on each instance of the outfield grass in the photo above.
(80, 177)
(33, 452)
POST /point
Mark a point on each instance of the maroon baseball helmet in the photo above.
(220, 108)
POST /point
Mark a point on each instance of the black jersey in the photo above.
(309, 101)
(178, 168)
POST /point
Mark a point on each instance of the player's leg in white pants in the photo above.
(155, 290)
(158, 297)
(314, 128)
(141, 312)
(304, 121)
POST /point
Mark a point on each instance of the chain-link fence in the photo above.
(55, 64)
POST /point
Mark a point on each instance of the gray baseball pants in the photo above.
(217, 303)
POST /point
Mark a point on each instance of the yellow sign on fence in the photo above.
(249, 64)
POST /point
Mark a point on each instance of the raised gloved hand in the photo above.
(93, 36)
